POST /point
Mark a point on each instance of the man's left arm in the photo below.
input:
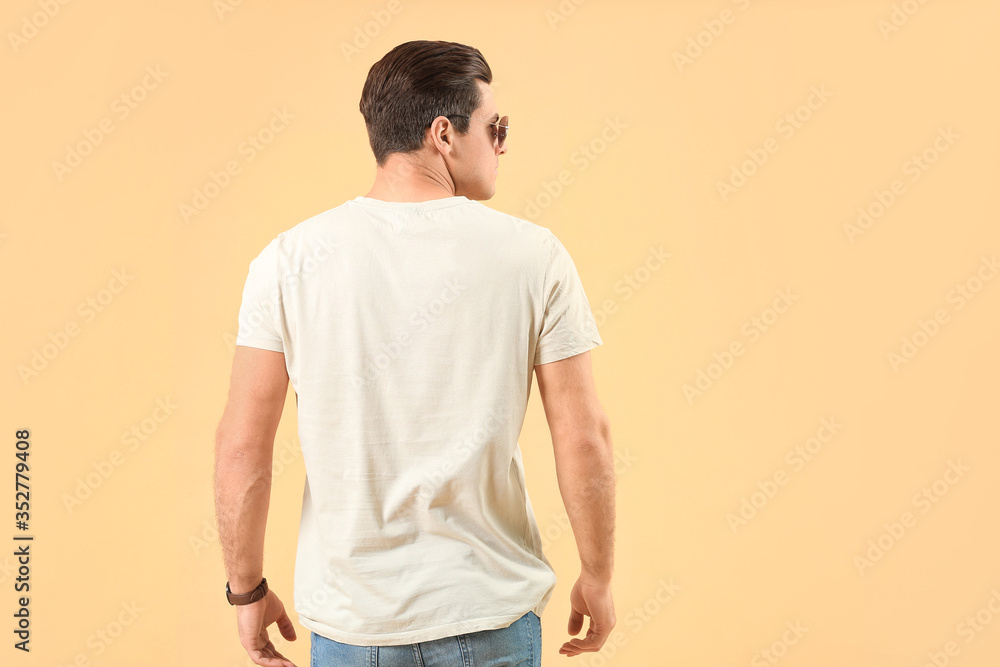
(244, 446)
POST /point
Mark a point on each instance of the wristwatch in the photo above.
(246, 598)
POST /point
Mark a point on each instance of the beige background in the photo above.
(693, 586)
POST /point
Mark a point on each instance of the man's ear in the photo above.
(441, 134)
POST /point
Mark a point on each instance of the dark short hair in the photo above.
(415, 83)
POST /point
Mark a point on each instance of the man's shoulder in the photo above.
(531, 232)
(316, 229)
(326, 228)
(315, 221)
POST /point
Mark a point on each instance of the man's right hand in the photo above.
(590, 598)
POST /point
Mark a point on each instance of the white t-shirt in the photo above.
(410, 333)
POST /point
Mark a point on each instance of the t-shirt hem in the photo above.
(412, 636)
(260, 343)
(565, 352)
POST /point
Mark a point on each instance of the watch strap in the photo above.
(247, 598)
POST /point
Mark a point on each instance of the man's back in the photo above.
(410, 331)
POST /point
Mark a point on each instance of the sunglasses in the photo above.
(499, 134)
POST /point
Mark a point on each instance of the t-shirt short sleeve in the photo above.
(259, 310)
(568, 326)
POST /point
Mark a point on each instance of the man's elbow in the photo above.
(241, 464)
(224, 443)
(236, 446)
(244, 452)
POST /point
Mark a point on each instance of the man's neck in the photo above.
(402, 181)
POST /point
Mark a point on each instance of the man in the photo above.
(409, 322)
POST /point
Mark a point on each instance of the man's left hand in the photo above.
(253, 620)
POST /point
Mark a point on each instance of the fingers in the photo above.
(269, 657)
(593, 642)
(592, 600)
(259, 659)
(253, 624)
(575, 621)
(284, 662)
(596, 636)
(285, 626)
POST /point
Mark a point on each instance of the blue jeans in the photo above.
(517, 645)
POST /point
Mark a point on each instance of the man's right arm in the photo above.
(581, 440)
